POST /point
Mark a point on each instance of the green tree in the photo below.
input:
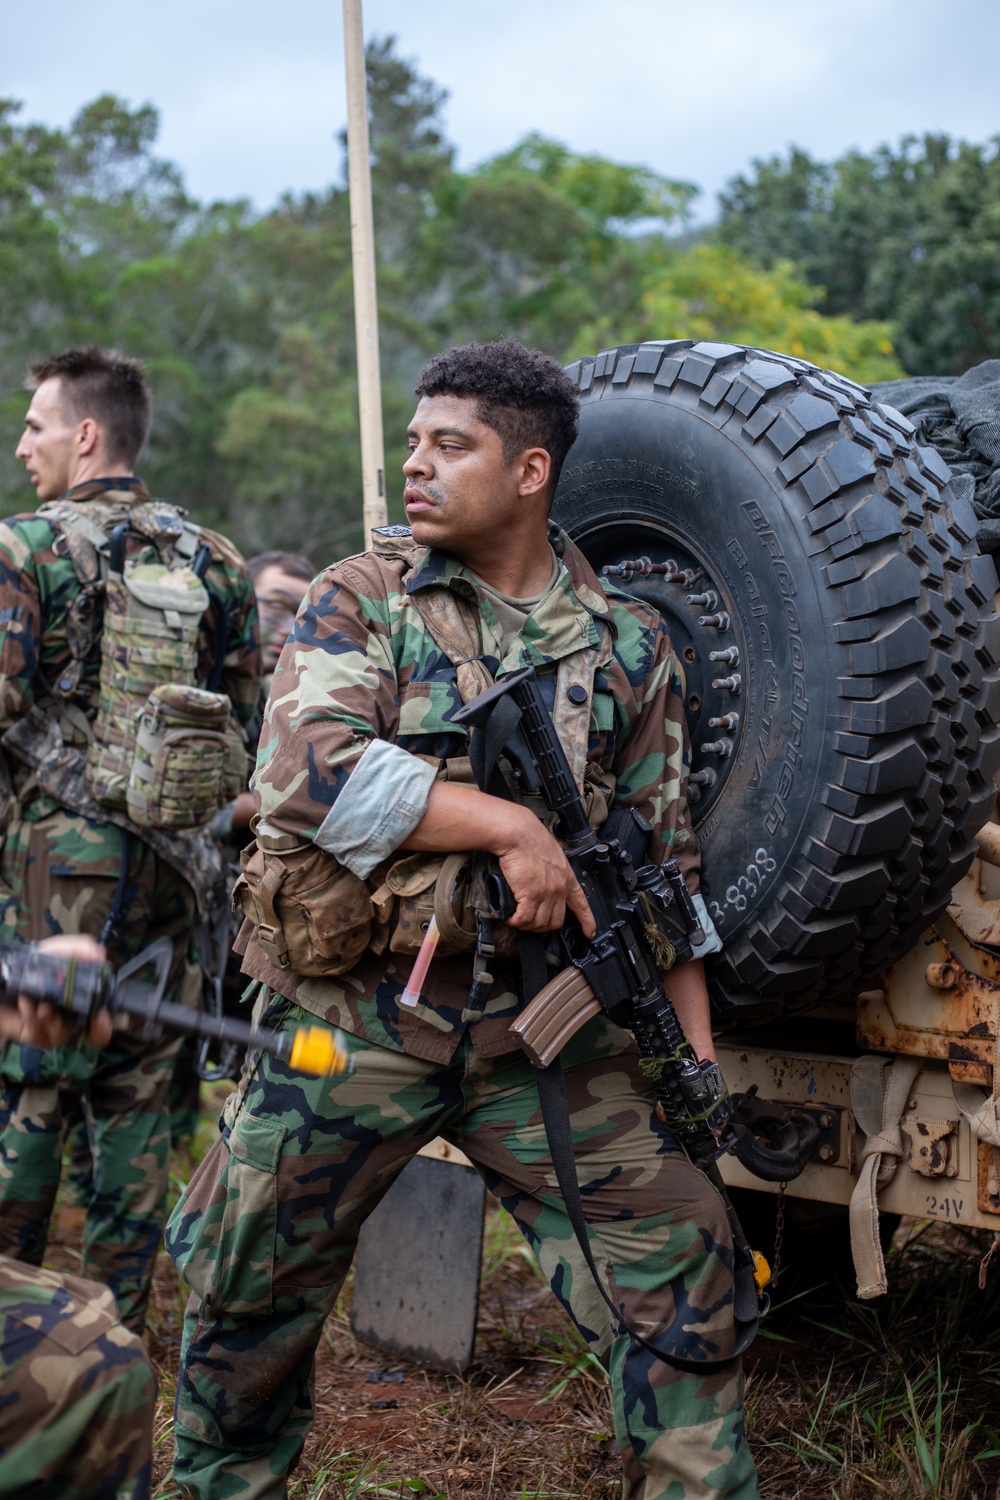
(711, 292)
(910, 235)
(246, 321)
(540, 242)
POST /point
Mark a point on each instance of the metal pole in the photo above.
(363, 258)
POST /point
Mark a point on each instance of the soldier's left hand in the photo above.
(42, 1025)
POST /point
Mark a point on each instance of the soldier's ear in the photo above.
(536, 468)
(88, 437)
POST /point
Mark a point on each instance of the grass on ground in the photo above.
(846, 1400)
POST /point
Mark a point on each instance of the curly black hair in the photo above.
(106, 385)
(528, 400)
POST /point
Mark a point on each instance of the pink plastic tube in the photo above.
(421, 964)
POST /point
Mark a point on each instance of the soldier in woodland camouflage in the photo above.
(361, 759)
(71, 862)
(77, 1392)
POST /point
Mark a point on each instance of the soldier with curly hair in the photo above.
(364, 790)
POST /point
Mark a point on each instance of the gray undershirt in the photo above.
(511, 613)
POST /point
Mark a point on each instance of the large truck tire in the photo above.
(834, 616)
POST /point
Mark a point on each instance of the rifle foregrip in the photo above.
(555, 1015)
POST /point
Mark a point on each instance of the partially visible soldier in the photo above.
(77, 1393)
(280, 580)
(93, 592)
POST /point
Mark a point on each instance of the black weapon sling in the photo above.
(485, 748)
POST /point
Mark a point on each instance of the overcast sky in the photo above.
(251, 94)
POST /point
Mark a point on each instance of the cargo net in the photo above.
(959, 415)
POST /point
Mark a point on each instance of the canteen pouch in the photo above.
(313, 916)
(177, 777)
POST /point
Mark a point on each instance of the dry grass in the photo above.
(846, 1400)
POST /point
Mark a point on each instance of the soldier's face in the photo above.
(459, 492)
(279, 595)
(49, 443)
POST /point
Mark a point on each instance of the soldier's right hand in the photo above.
(42, 1025)
(536, 869)
(540, 878)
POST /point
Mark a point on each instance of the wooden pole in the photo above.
(363, 259)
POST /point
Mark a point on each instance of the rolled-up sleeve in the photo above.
(380, 806)
(333, 708)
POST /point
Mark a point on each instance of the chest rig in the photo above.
(453, 622)
(293, 892)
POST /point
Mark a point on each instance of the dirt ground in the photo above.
(845, 1400)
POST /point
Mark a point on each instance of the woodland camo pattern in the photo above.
(361, 662)
(60, 863)
(266, 1230)
(78, 1393)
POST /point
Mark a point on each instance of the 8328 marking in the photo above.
(745, 889)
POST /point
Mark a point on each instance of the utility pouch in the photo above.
(177, 776)
(313, 916)
(422, 886)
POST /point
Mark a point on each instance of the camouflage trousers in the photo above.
(121, 1090)
(76, 1392)
(266, 1232)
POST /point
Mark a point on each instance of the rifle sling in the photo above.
(551, 1085)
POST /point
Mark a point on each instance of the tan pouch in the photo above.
(176, 776)
(312, 915)
(409, 896)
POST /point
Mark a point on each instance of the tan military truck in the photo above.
(836, 620)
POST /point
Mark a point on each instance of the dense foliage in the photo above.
(910, 234)
(246, 319)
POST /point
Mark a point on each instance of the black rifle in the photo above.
(645, 921)
(80, 989)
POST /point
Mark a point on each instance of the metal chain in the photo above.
(779, 1231)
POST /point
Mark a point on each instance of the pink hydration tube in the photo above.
(422, 962)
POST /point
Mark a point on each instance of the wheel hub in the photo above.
(661, 568)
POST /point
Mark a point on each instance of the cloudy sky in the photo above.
(251, 94)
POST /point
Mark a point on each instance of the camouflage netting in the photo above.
(959, 415)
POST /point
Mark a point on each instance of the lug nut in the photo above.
(731, 684)
(724, 748)
(731, 656)
(707, 777)
(717, 622)
(707, 600)
(726, 721)
(826, 1153)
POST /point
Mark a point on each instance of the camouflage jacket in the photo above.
(37, 585)
(362, 689)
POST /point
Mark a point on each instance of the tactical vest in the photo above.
(314, 917)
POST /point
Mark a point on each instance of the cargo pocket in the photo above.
(238, 1275)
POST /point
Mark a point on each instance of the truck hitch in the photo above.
(776, 1140)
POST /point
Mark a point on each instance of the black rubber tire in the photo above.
(841, 568)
